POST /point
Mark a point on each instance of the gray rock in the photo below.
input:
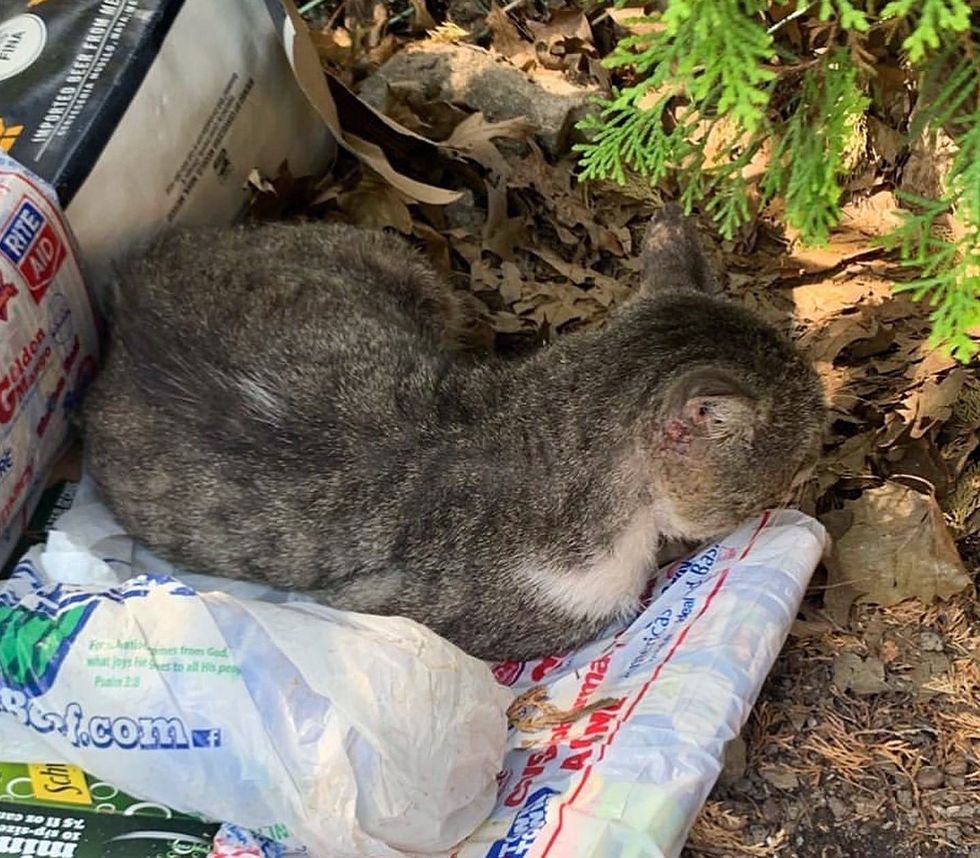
(470, 76)
(733, 769)
(929, 777)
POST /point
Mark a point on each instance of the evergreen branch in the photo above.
(809, 156)
(715, 61)
(932, 19)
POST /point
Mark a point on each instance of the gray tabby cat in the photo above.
(283, 404)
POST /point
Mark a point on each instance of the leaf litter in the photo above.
(866, 738)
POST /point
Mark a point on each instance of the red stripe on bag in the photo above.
(646, 686)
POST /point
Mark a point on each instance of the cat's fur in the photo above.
(281, 404)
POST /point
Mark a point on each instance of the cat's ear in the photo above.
(705, 406)
(672, 258)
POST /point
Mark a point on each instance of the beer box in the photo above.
(60, 785)
(63, 832)
(58, 810)
(146, 113)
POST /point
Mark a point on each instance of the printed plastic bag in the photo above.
(662, 697)
(358, 735)
(48, 341)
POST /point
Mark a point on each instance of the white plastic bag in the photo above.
(361, 735)
(628, 779)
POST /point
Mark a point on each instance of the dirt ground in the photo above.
(865, 740)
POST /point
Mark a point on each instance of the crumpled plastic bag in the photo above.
(361, 735)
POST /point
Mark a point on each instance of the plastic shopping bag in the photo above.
(359, 735)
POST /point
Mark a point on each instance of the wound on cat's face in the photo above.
(717, 463)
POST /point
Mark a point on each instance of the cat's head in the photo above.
(729, 443)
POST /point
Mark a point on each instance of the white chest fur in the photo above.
(612, 585)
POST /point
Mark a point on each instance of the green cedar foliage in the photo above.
(704, 70)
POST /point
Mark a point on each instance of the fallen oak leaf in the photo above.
(436, 248)
(605, 290)
(502, 233)
(634, 20)
(932, 402)
(506, 39)
(374, 204)
(897, 547)
(566, 24)
(422, 18)
(561, 42)
(510, 323)
(474, 137)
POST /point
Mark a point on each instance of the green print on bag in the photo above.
(34, 643)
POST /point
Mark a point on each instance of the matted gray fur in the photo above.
(282, 404)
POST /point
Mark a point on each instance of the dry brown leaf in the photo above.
(484, 276)
(875, 215)
(506, 40)
(375, 204)
(826, 343)
(510, 323)
(564, 24)
(841, 249)
(654, 94)
(436, 248)
(335, 47)
(850, 459)
(606, 290)
(502, 233)
(932, 402)
(626, 16)
(817, 302)
(422, 19)
(897, 548)
(563, 41)
(474, 137)
(860, 675)
(511, 286)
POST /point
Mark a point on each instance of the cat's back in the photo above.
(288, 323)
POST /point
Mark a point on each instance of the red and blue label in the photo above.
(30, 242)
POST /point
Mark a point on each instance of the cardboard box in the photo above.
(57, 810)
